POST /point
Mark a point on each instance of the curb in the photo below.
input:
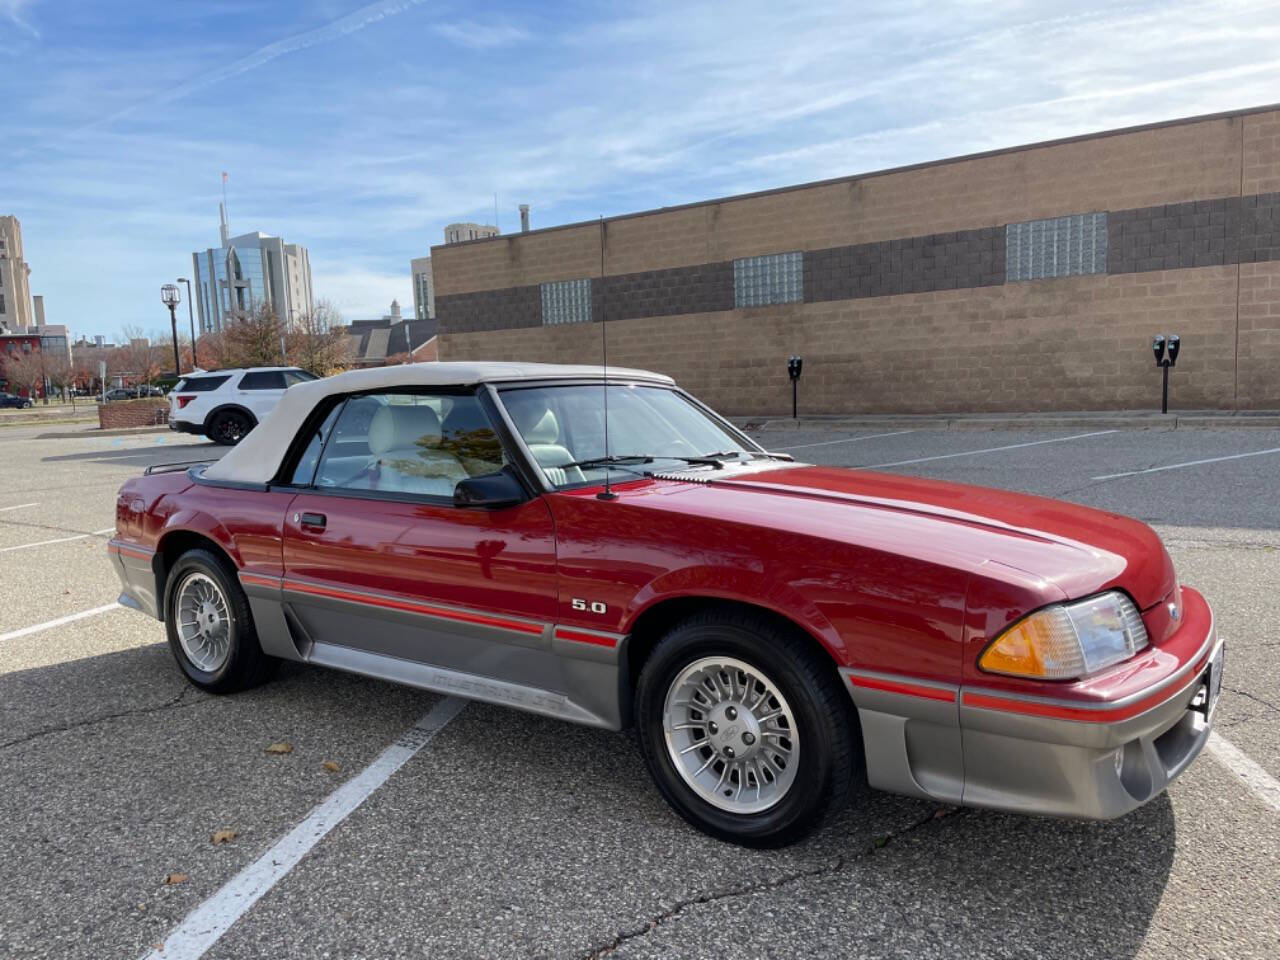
(114, 432)
(1154, 422)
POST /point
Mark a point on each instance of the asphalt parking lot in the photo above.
(508, 835)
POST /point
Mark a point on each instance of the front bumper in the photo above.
(1035, 755)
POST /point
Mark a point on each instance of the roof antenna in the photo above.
(608, 493)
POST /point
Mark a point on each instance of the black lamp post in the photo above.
(171, 297)
(191, 315)
(794, 366)
(1158, 345)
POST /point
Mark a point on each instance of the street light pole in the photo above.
(191, 315)
(170, 297)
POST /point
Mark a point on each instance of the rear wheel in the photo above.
(210, 628)
(745, 728)
(229, 427)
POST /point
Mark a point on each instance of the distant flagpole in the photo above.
(224, 192)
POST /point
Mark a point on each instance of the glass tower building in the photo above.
(248, 272)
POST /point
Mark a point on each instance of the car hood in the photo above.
(1078, 549)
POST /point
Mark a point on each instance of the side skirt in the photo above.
(441, 680)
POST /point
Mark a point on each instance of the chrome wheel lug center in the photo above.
(728, 752)
(731, 713)
(713, 727)
(748, 738)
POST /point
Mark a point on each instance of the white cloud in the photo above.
(482, 36)
(15, 12)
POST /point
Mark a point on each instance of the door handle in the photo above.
(312, 521)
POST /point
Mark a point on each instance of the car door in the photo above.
(385, 575)
(260, 391)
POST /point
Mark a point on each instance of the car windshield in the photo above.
(650, 428)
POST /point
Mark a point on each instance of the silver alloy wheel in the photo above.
(204, 622)
(731, 734)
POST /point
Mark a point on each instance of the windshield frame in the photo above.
(618, 475)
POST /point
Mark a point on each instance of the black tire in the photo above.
(830, 759)
(246, 666)
(229, 427)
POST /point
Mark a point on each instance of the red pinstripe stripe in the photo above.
(579, 637)
(410, 606)
(910, 689)
(138, 552)
(1035, 709)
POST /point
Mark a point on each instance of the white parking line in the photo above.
(50, 624)
(972, 453)
(19, 506)
(209, 921)
(1189, 463)
(1263, 785)
(45, 543)
(826, 443)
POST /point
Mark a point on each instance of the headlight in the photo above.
(1067, 641)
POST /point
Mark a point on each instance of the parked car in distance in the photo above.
(224, 405)
(120, 393)
(775, 631)
(147, 390)
(13, 400)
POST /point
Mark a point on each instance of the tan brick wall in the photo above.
(1070, 343)
(1077, 343)
(1259, 347)
(1193, 161)
(146, 412)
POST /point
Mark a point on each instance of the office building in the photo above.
(1028, 278)
(462, 232)
(15, 287)
(246, 272)
(424, 294)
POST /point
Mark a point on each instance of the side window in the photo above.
(263, 380)
(305, 471)
(297, 376)
(409, 443)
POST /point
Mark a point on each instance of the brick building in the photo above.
(1031, 278)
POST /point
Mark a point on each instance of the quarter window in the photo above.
(200, 384)
(407, 443)
(263, 380)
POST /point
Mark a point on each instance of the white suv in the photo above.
(224, 405)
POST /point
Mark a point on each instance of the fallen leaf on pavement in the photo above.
(279, 748)
(173, 879)
(331, 766)
(223, 836)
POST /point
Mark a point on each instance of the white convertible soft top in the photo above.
(256, 459)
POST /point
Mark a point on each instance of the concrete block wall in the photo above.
(906, 303)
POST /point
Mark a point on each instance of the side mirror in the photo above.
(492, 491)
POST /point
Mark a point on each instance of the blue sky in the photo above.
(360, 130)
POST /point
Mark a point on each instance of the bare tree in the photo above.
(24, 371)
(59, 371)
(254, 341)
(318, 341)
(136, 358)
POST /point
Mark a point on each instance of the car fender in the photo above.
(737, 585)
(202, 524)
(223, 407)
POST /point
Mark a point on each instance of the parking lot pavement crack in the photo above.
(765, 886)
(1259, 700)
(176, 702)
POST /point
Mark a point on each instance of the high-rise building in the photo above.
(458, 232)
(249, 271)
(15, 289)
(424, 290)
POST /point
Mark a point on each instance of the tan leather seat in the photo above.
(405, 441)
(543, 441)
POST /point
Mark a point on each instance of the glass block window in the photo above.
(775, 278)
(1058, 247)
(568, 301)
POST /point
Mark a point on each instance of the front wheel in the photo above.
(210, 628)
(745, 728)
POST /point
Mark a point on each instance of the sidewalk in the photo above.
(1092, 420)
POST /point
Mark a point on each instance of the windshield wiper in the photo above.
(610, 461)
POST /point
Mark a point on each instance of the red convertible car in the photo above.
(775, 631)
